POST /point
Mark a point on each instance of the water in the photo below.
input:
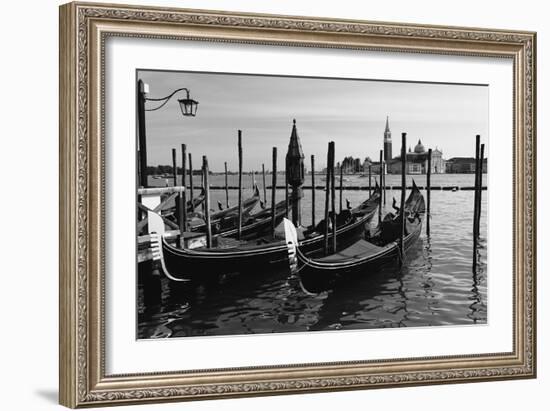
(218, 180)
(435, 287)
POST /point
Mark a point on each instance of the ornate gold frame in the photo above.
(83, 30)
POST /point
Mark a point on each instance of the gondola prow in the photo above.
(291, 239)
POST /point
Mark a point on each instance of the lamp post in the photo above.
(188, 108)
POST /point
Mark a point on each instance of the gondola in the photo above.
(226, 219)
(168, 210)
(364, 256)
(197, 201)
(256, 225)
(191, 205)
(248, 205)
(200, 263)
(360, 209)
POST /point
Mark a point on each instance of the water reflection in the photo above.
(478, 273)
(427, 282)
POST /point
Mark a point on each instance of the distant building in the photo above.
(374, 165)
(351, 165)
(417, 161)
(463, 165)
(366, 163)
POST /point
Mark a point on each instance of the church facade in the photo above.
(417, 159)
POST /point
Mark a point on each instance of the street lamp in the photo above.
(188, 108)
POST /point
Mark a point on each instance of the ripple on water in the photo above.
(435, 287)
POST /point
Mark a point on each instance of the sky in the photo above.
(352, 113)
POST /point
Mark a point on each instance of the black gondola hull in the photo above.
(202, 264)
(314, 280)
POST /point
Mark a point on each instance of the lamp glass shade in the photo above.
(188, 107)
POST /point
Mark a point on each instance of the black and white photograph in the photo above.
(276, 204)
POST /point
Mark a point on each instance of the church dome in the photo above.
(419, 148)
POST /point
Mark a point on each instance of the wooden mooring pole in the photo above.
(179, 211)
(403, 193)
(333, 198)
(341, 185)
(263, 180)
(191, 182)
(312, 190)
(202, 185)
(480, 187)
(428, 191)
(181, 216)
(380, 172)
(183, 196)
(476, 194)
(226, 186)
(384, 180)
(207, 201)
(240, 200)
(273, 189)
(479, 198)
(370, 179)
(174, 168)
(327, 198)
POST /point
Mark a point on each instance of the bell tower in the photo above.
(387, 142)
